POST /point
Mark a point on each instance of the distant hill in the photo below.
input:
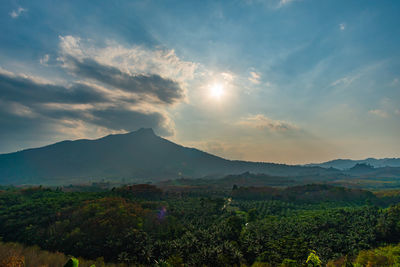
(344, 164)
(136, 156)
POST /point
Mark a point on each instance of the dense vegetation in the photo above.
(142, 224)
(17, 255)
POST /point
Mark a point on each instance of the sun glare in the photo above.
(216, 91)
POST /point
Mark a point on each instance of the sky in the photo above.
(286, 81)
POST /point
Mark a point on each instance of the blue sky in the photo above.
(289, 81)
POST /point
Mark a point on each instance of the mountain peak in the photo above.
(146, 131)
(140, 155)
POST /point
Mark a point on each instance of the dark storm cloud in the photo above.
(24, 90)
(165, 90)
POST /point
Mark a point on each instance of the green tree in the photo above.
(72, 262)
(313, 259)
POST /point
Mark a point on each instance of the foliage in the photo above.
(72, 262)
(384, 256)
(142, 225)
(313, 259)
(12, 254)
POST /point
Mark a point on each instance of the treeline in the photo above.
(382, 256)
(13, 254)
(143, 225)
(311, 193)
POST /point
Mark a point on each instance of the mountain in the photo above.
(343, 164)
(136, 156)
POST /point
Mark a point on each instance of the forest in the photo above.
(148, 226)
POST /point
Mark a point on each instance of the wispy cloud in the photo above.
(262, 122)
(254, 77)
(273, 4)
(379, 112)
(285, 2)
(16, 13)
(347, 80)
(357, 75)
(45, 59)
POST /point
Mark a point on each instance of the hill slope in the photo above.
(343, 164)
(139, 155)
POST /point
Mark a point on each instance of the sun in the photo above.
(216, 91)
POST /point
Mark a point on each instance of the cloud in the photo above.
(112, 117)
(228, 77)
(379, 113)
(108, 88)
(129, 120)
(342, 26)
(16, 13)
(135, 60)
(284, 3)
(153, 86)
(33, 107)
(28, 91)
(17, 131)
(262, 122)
(45, 59)
(347, 80)
(155, 75)
(274, 4)
(254, 77)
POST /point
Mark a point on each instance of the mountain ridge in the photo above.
(345, 164)
(137, 156)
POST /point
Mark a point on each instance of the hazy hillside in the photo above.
(139, 155)
(348, 163)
